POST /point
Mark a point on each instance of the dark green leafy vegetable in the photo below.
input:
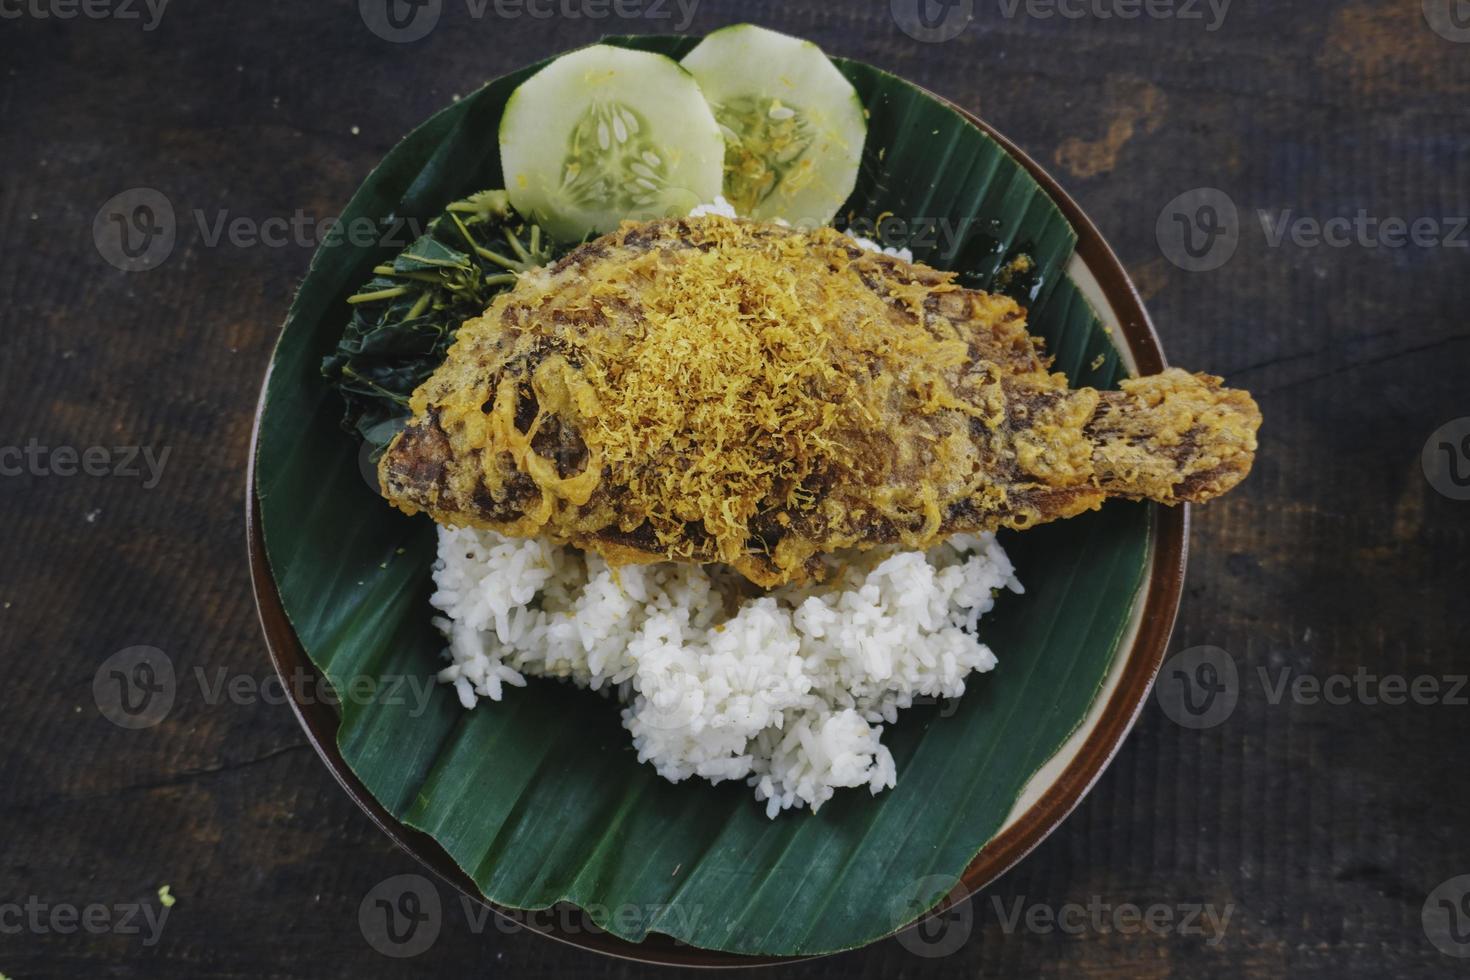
(405, 318)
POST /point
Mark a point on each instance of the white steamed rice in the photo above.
(788, 690)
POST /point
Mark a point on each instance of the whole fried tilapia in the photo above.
(708, 389)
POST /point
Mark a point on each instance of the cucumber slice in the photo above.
(605, 134)
(794, 127)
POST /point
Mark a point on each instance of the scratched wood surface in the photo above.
(1323, 825)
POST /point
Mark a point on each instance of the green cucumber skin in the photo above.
(632, 137)
(794, 139)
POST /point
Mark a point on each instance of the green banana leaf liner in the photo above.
(540, 798)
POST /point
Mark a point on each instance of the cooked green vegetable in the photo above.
(406, 316)
(794, 127)
(603, 135)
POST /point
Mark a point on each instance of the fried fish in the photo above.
(718, 390)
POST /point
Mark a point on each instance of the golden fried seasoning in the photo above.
(720, 390)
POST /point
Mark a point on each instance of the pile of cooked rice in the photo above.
(786, 689)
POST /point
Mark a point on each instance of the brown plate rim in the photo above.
(1170, 528)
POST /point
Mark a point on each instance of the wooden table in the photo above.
(1323, 822)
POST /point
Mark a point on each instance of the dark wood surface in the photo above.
(1326, 825)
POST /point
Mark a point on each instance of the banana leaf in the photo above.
(540, 798)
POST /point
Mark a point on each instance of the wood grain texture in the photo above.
(1323, 826)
